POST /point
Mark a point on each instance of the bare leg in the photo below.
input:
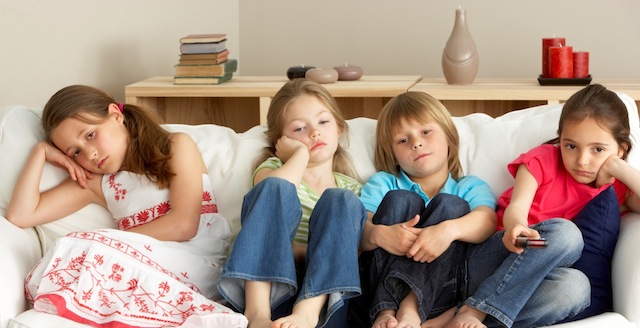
(386, 319)
(257, 307)
(468, 317)
(408, 315)
(439, 321)
(305, 314)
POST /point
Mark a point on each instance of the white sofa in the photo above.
(487, 145)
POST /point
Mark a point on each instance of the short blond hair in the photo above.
(418, 107)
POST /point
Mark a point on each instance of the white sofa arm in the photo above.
(626, 269)
(19, 253)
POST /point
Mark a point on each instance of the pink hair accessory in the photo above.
(120, 107)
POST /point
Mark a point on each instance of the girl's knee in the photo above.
(340, 206)
(274, 183)
(339, 197)
(563, 235)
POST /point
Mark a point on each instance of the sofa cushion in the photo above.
(599, 222)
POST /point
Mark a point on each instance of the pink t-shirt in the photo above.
(559, 195)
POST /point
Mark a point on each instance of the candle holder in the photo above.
(564, 81)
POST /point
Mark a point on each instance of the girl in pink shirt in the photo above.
(512, 285)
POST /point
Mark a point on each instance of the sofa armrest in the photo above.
(19, 253)
(626, 269)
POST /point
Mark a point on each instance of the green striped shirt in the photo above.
(308, 198)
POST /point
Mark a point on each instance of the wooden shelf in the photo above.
(498, 96)
(243, 101)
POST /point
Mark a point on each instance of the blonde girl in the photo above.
(422, 211)
(162, 266)
(302, 221)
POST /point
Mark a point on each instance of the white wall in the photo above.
(46, 45)
(407, 36)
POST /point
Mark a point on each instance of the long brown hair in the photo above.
(419, 107)
(149, 148)
(289, 92)
(605, 107)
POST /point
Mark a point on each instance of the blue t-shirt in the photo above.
(470, 188)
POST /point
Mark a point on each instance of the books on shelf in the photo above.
(221, 69)
(224, 53)
(203, 48)
(203, 38)
(204, 59)
(202, 80)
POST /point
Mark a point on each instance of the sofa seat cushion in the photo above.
(33, 319)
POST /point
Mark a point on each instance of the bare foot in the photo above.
(467, 317)
(386, 319)
(257, 308)
(439, 321)
(408, 317)
(294, 321)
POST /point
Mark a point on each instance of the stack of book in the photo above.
(204, 59)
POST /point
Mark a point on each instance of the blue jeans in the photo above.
(262, 251)
(436, 284)
(535, 288)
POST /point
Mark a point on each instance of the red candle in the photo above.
(561, 62)
(581, 64)
(546, 43)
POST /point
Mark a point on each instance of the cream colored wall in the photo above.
(46, 45)
(407, 36)
(50, 44)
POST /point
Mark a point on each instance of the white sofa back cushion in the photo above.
(487, 145)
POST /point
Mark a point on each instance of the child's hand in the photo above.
(54, 156)
(518, 230)
(398, 238)
(608, 170)
(286, 147)
(431, 243)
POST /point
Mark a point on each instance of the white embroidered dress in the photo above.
(113, 278)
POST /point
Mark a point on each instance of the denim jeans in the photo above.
(436, 284)
(262, 251)
(534, 288)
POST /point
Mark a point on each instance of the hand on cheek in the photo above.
(286, 147)
(606, 173)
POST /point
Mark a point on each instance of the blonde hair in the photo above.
(418, 107)
(149, 148)
(291, 91)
